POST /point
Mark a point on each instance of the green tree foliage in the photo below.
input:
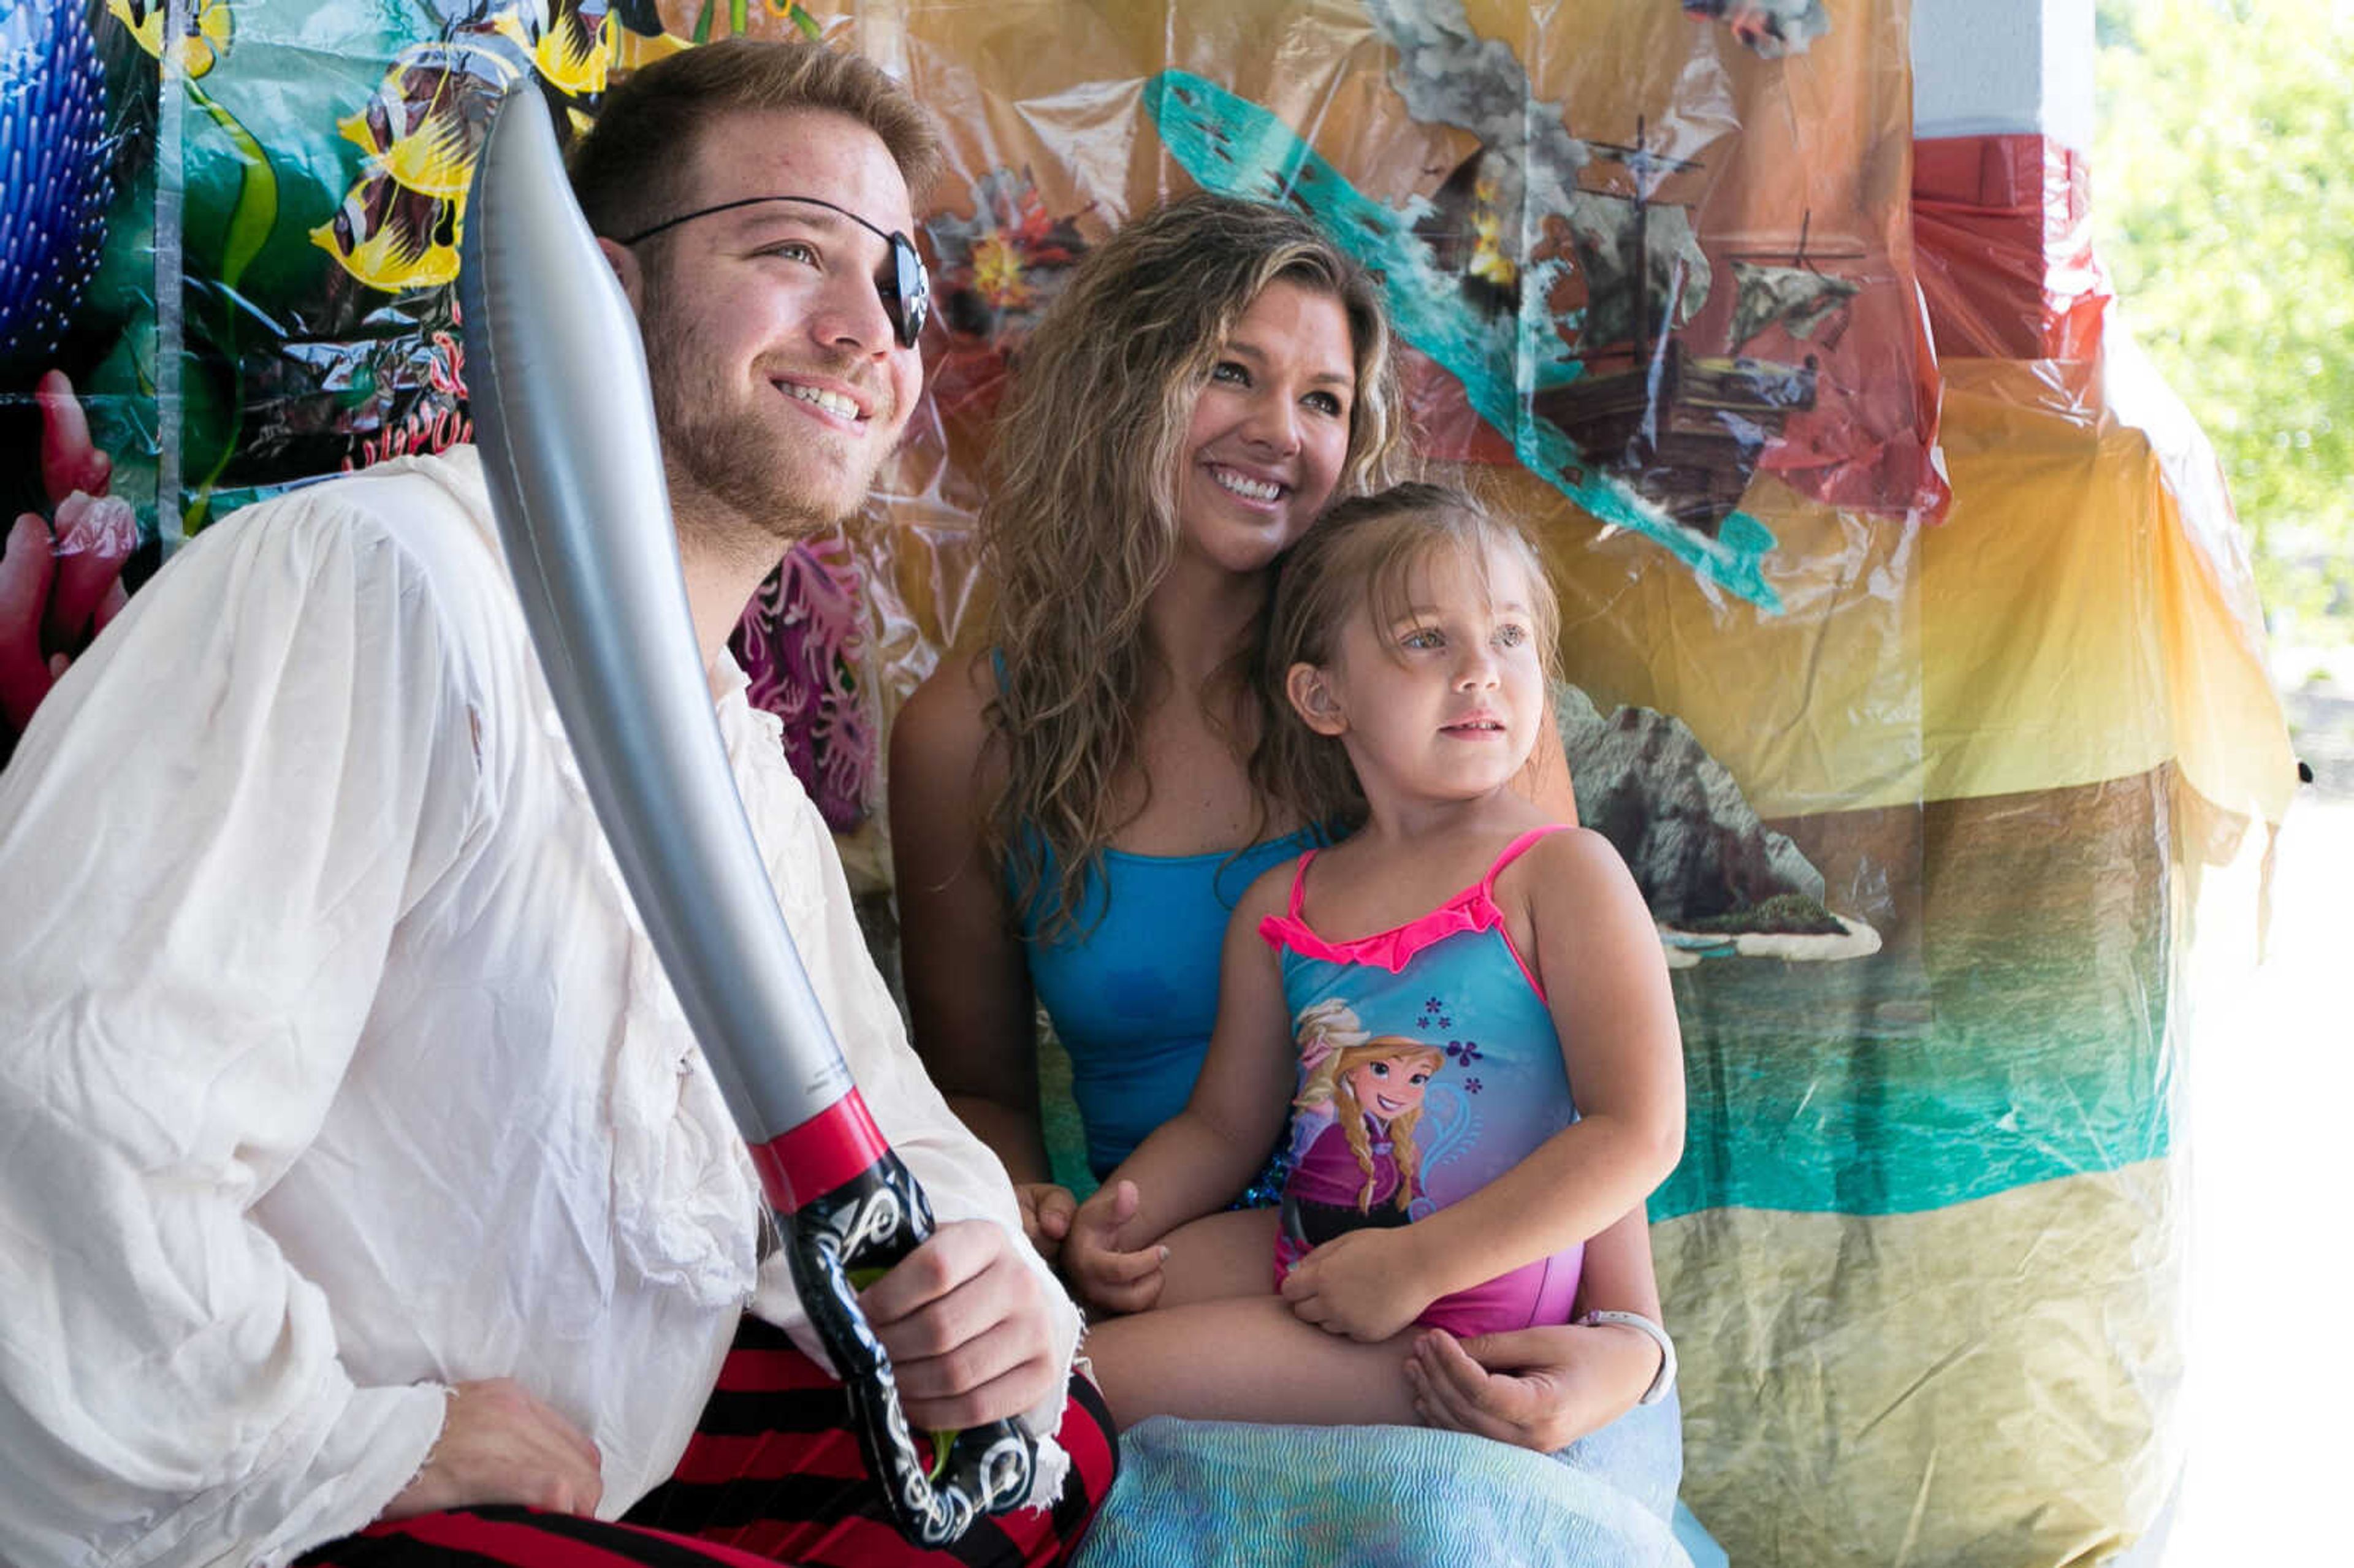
(2223, 209)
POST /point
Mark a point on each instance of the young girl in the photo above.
(1464, 1005)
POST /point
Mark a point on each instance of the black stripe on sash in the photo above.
(645, 1549)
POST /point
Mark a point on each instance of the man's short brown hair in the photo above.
(625, 171)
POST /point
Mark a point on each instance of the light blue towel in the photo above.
(1207, 1494)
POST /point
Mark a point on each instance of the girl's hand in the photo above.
(1536, 1388)
(1362, 1284)
(1112, 1271)
(1046, 1210)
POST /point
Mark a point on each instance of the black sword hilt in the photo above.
(838, 1243)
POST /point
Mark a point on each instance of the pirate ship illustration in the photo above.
(1684, 429)
(1466, 295)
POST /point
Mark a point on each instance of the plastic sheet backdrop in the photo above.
(1923, 741)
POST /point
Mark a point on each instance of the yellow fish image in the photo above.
(391, 238)
(424, 125)
(203, 40)
(570, 42)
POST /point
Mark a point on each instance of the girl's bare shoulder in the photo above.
(1574, 862)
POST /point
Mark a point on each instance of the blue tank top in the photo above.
(1135, 994)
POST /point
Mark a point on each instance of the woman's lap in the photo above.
(1194, 1494)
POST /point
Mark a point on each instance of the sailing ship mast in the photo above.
(1649, 171)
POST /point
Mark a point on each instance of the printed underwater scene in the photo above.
(1917, 683)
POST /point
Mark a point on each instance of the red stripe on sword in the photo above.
(810, 1160)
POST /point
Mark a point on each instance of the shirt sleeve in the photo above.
(961, 1177)
(208, 836)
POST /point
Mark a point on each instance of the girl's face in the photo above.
(1388, 1086)
(1269, 431)
(1445, 702)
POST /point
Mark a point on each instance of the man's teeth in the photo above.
(833, 403)
(1249, 488)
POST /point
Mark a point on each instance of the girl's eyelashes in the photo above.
(1230, 371)
(1511, 634)
(1325, 402)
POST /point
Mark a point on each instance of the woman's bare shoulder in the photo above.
(943, 723)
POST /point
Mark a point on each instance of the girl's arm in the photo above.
(1201, 1158)
(972, 1014)
(1597, 953)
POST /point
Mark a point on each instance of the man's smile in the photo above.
(843, 405)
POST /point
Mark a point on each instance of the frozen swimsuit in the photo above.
(1446, 996)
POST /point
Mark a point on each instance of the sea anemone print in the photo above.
(52, 150)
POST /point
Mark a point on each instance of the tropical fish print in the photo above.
(204, 41)
(425, 123)
(570, 42)
(392, 238)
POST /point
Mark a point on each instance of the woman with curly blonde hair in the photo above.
(1216, 373)
(1079, 799)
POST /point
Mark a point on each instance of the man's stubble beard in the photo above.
(731, 470)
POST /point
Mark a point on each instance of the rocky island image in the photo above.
(1719, 882)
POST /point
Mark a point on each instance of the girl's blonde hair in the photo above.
(1080, 524)
(1359, 559)
(1328, 1083)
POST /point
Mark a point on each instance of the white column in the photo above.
(1992, 68)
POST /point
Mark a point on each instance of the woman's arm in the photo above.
(1545, 1388)
(972, 1012)
(1546, 782)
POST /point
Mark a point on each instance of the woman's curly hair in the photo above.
(1080, 522)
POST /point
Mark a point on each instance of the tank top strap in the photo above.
(1512, 852)
(1299, 882)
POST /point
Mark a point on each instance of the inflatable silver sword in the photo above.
(564, 414)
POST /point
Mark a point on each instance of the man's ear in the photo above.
(624, 263)
(1313, 700)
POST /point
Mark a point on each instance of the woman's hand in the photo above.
(1046, 1210)
(1112, 1271)
(1534, 1388)
(1362, 1284)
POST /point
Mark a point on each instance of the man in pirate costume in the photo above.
(363, 1199)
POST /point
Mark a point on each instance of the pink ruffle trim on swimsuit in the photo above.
(1473, 909)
